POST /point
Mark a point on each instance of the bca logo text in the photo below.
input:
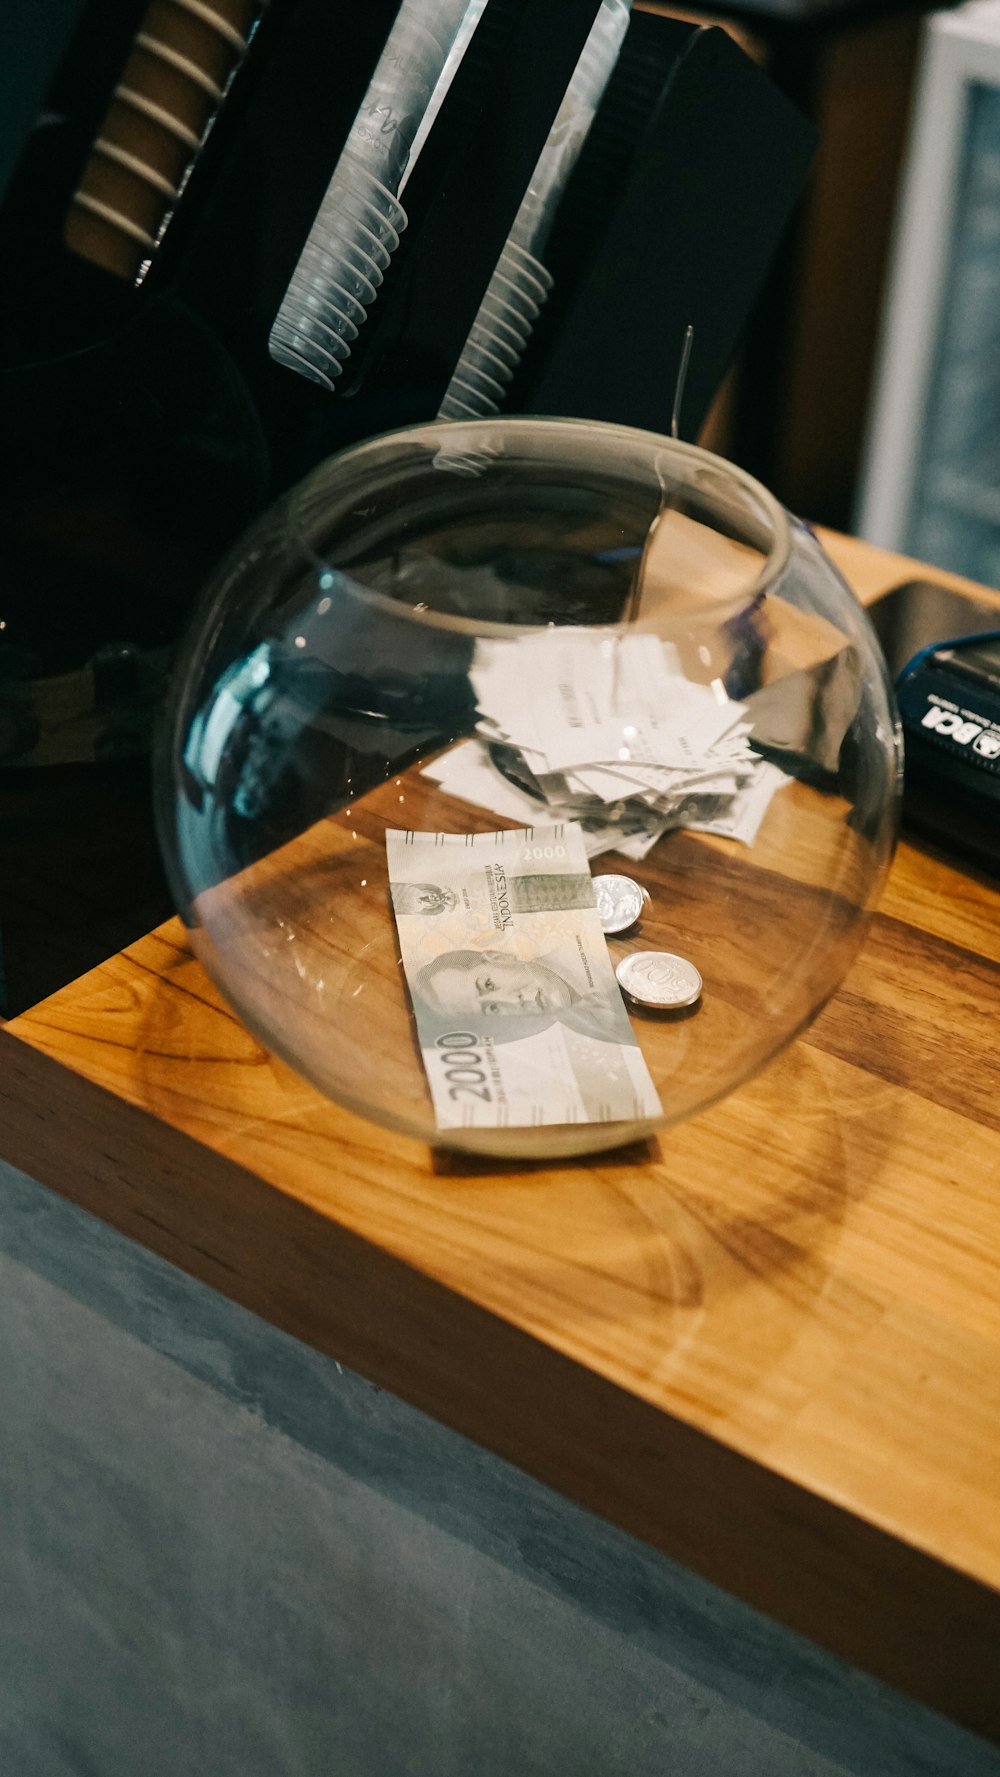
(949, 722)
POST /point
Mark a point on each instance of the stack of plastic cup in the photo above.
(521, 283)
(533, 223)
(337, 278)
(360, 220)
(499, 334)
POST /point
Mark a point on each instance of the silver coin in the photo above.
(658, 978)
(619, 902)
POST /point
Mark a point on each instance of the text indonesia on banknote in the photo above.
(519, 1016)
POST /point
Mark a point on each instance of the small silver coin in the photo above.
(619, 902)
(658, 978)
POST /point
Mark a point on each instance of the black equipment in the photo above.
(162, 164)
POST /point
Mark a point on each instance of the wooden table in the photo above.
(770, 1346)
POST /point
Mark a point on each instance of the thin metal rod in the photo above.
(630, 613)
(682, 371)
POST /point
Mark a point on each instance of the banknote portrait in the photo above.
(511, 994)
(498, 986)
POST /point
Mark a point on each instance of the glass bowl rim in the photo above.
(774, 566)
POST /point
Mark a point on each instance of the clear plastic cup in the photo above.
(359, 222)
(334, 306)
(482, 388)
(521, 283)
(337, 337)
(483, 355)
(526, 271)
(356, 193)
(284, 351)
(533, 222)
(337, 277)
(346, 221)
(353, 270)
(454, 407)
(403, 84)
(503, 325)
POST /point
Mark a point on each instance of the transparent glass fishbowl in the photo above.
(478, 712)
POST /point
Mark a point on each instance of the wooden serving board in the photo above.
(768, 1343)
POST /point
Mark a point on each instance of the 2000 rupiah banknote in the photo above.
(519, 1017)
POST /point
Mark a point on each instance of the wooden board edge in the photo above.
(889, 1609)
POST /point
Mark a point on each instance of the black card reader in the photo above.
(948, 693)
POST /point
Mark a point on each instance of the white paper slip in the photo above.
(585, 697)
(740, 816)
(467, 773)
(519, 1017)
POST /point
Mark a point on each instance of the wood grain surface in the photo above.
(767, 1343)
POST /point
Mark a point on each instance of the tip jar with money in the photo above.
(527, 783)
